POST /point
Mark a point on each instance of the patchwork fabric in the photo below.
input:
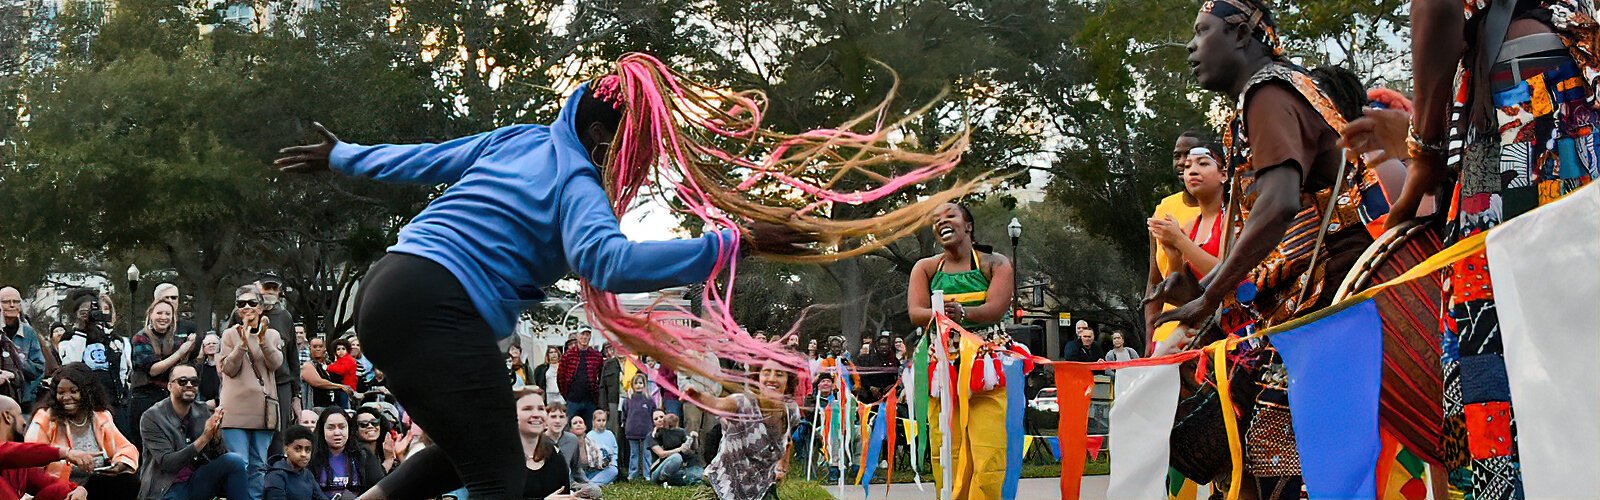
(1479, 327)
(1489, 429)
(1539, 97)
(1541, 148)
(1514, 161)
(1483, 379)
(1470, 280)
(1454, 399)
(1515, 114)
(1455, 453)
(1495, 479)
(1450, 347)
(1460, 483)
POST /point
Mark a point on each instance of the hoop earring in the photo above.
(596, 148)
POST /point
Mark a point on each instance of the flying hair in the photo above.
(707, 146)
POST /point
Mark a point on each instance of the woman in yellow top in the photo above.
(977, 287)
(1182, 207)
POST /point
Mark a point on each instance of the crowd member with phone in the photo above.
(76, 414)
(251, 354)
(184, 458)
(156, 350)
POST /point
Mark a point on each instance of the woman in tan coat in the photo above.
(251, 353)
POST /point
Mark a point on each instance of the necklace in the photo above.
(78, 424)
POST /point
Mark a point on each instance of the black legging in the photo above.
(441, 361)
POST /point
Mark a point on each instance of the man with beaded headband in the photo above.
(1293, 225)
(526, 204)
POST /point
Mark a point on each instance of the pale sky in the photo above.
(651, 221)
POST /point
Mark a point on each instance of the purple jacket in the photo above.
(636, 416)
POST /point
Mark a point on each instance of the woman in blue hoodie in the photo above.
(526, 205)
(524, 208)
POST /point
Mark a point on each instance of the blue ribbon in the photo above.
(874, 445)
(1015, 433)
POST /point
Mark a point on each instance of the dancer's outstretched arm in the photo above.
(597, 250)
(441, 163)
(720, 403)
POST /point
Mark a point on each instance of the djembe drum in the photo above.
(1410, 402)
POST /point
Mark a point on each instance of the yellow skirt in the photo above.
(979, 450)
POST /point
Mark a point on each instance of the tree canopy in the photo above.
(141, 131)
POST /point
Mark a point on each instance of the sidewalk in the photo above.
(1094, 488)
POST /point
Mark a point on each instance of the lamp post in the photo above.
(133, 296)
(1014, 229)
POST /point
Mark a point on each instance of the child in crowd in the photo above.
(287, 477)
(567, 443)
(601, 465)
(636, 427)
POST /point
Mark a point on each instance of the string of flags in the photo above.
(1334, 361)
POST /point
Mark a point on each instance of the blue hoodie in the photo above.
(525, 206)
(283, 482)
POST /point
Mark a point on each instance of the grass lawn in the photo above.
(1090, 468)
(798, 489)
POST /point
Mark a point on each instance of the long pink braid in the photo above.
(693, 137)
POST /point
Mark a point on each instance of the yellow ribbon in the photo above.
(969, 353)
(1219, 351)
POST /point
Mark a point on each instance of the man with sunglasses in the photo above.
(184, 457)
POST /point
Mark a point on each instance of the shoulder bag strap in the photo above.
(1491, 38)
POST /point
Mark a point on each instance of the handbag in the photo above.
(1199, 440)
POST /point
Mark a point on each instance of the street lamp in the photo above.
(133, 295)
(1015, 230)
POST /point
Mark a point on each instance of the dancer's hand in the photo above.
(776, 239)
(1379, 130)
(309, 158)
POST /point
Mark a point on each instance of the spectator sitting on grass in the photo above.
(674, 464)
(601, 464)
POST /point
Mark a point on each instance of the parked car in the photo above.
(1045, 400)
